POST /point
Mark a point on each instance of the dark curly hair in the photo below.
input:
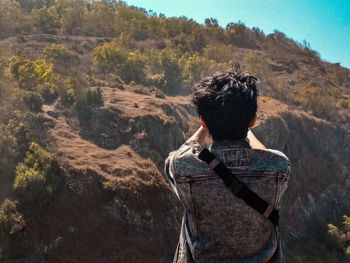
(227, 103)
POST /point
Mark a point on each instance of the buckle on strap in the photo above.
(268, 211)
(214, 163)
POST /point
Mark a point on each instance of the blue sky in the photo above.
(324, 24)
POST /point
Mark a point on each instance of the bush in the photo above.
(194, 67)
(59, 54)
(68, 98)
(312, 97)
(48, 92)
(11, 221)
(110, 57)
(90, 79)
(157, 80)
(168, 60)
(93, 97)
(114, 81)
(113, 58)
(32, 101)
(8, 149)
(12, 19)
(169, 121)
(132, 69)
(46, 19)
(31, 73)
(38, 179)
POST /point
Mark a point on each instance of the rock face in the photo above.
(118, 208)
(319, 153)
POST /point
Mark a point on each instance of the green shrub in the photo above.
(48, 92)
(38, 179)
(169, 121)
(14, 63)
(313, 98)
(157, 80)
(194, 67)
(8, 149)
(83, 110)
(32, 73)
(90, 79)
(11, 221)
(46, 19)
(68, 98)
(59, 54)
(93, 97)
(110, 57)
(113, 58)
(114, 81)
(168, 60)
(13, 20)
(32, 101)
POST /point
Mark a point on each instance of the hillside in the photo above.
(90, 109)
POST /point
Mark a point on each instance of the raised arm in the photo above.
(200, 135)
(254, 142)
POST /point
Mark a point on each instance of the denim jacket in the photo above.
(217, 226)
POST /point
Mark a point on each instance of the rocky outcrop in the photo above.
(117, 206)
(319, 152)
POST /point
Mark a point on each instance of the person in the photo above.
(217, 226)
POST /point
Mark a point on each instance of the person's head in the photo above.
(227, 103)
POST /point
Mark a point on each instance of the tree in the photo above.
(194, 67)
(312, 98)
(100, 20)
(211, 22)
(132, 69)
(60, 55)
(12, 19)
(32, 73)
(110, 56)
(132, 20)
(46, 19)
(113, 58)
(72, 16)
(168, 60)
(219, 52)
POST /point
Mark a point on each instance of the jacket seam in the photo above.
(213, 177)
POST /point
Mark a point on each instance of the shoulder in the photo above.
(185, 159)
(270, 160)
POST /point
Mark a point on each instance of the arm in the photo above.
(200, 135)
(254, 142)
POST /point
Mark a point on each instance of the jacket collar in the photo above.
(225, 144)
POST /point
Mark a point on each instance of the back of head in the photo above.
(227, 103)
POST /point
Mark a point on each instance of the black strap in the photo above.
(240, 189)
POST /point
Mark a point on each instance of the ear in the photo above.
(252, 122)
(203, 123)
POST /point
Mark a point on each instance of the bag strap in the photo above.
(238, 188)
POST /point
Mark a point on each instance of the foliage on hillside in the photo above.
(38, 178)
(324, 242)
(141, 48)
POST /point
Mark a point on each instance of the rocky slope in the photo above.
(117, 206)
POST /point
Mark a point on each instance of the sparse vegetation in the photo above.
(11, 221)
(95, 44)
(8, 149)
(38, 179)
(169, 121)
